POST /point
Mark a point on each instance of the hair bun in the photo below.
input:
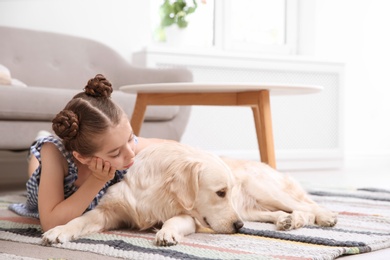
(99, 86)
(66, 124)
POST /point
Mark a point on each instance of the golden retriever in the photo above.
(184, 189)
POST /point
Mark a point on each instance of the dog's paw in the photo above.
(295, 220)
(59, 234)
(285, 222)
(326, 219)
(167, 237)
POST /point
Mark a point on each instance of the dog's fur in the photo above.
(184, 189)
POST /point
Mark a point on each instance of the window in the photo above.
(258, 25)
(262, 26)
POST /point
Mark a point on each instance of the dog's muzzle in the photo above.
(237, 225)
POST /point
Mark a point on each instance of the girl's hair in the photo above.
(86, 116)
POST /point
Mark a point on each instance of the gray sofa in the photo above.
(55, 67)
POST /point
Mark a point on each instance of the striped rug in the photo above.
(363, 226)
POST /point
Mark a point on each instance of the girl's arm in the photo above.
(54, 209)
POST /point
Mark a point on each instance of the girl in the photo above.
(96, 145)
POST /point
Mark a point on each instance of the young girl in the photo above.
(96, 145)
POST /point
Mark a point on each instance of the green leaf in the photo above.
(192, 9)
(181, 22)
(167, 21)
(178, 6)
(176, 12)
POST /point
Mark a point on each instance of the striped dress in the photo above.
(30, 208)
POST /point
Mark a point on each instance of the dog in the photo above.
(185, 190)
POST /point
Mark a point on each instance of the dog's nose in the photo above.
(238, 224)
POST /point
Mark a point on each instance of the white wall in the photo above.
(354, 31)
(124, 25)
(357, 32)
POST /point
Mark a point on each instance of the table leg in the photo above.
(263, 123)
(259, 101)
(139, 113)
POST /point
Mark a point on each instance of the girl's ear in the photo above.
(81, 158)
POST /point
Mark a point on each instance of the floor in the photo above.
(360, 176)
(350, 177)
(345, 178)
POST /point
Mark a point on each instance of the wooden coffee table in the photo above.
(254, 95)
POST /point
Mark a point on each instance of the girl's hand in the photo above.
(101, 170)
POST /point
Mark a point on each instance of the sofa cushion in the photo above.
(5, 75)
(42, 104)
(6, 79)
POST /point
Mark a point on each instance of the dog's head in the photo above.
(204, 188)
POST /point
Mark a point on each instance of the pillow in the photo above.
(5, 76)
(18, 83)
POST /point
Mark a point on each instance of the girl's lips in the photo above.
(129, 165)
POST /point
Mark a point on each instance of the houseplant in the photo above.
(174, 12)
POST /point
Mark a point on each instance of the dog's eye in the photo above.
(221, 193)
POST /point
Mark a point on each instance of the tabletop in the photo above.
(197, 87)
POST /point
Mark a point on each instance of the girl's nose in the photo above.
(130, 149)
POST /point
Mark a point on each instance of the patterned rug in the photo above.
(363, 226)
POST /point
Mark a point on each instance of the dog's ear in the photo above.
(186, 184)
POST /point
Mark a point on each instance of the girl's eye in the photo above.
(116, 155)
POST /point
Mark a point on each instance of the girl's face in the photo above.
(118, 145)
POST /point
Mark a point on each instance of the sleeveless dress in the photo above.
(30, 208)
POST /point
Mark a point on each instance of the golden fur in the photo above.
(184, 189)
